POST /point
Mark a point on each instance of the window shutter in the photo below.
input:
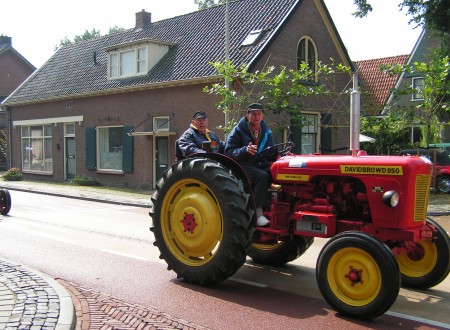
(127, 161)
(90, 148)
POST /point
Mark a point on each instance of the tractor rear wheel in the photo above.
(201, 221)
(280, 253)
(428, 263)
(5, 202)
(358, 275)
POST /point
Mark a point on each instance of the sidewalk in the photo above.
(32, 300)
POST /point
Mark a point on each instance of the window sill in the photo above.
(110, 172)
(37, 172)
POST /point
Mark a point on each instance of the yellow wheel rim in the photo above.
(420, 261)
(191, 222)
(354, 276)
(268, 247)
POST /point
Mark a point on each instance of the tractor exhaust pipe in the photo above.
(355, 112)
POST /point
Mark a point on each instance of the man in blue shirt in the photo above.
(245, 143)
(193, 139)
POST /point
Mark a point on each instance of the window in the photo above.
(128, 63)
(309, 133)
(417, 85)
(161, 124)
(109, 149)
(252, 37)
(306, 53)
(37, 149)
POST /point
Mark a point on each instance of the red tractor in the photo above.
(373, 210)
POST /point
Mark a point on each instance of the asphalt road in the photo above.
(109, 248)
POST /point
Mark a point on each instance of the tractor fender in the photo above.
(233, 166)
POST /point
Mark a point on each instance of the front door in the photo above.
(161, 156)
(69, 151)
(70, 158)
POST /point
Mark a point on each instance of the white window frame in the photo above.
(161, 124)
(37, 157)
(311, 131)
(309, 42)
(417, 95)
(139, 63)
(101, 154)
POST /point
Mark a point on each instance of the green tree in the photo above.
(203, 4)
(282, 91)
(87, 35)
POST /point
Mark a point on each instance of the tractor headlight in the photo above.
(391, 198)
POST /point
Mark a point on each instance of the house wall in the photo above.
(119, 109)
(13, 71)
(307, 21)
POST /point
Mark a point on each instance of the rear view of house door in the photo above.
(161, 156)
(70, 155)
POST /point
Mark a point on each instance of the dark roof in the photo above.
(377, 84)
(5, 47)
(198, 39)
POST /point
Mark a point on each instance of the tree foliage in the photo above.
(87, 35)
(203, 4)
(281, 90)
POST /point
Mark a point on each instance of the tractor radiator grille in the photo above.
(421, 198)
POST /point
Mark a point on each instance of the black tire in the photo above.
(443, 184)
(201, 221)
(280, 253)
(428, 264)
(5, 202)
(358, 275)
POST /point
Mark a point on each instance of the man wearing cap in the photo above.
(198, 138)
(245, 143)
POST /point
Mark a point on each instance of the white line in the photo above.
(125, 255)
(260, 285)
(419, 319)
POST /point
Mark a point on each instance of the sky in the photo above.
(37, 27)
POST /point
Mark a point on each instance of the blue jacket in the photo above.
(191, 142)
(240, 137)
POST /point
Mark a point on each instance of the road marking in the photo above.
(259, 285)
(125, 255)
(419, 319)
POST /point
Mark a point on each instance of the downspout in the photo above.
(355, 111)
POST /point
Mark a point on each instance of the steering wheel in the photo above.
(282, 149)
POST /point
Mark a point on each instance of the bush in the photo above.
(84, 181)
(13, 174)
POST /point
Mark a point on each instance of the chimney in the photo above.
(142, 19)
(4, 40)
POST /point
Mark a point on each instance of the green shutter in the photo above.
(127, 161)
(90, 148)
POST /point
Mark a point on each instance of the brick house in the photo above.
(111, 108)
(14, 69)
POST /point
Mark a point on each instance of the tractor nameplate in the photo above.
(293, 177)
(380, 170)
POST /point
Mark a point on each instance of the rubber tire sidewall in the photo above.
(5, 199)
(387, 264)
(237, 225)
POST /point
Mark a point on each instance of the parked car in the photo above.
(441, 160)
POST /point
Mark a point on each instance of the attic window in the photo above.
(128, 63)
(252, 37)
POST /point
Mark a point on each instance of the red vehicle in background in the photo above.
(441, 162)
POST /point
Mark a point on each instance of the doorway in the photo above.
(161, 156)
(70, 151)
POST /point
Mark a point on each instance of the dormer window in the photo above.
(128, 63)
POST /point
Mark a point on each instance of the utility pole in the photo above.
(227, 56)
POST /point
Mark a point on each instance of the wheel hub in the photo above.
(416, 253)
(189, 222)
(355, 276)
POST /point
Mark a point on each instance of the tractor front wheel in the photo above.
(358, 275)
(428, 262)
(201, 221)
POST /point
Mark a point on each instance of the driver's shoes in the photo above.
(262, 221)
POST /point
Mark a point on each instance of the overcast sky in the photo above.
(37, 27)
